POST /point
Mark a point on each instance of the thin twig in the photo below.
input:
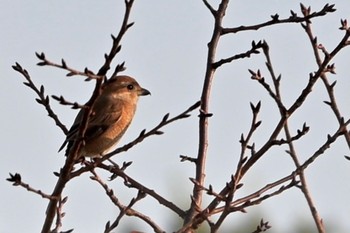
(116, 47)
(280, 125)
(202, 216)
(132, 183)
(133, 201)
(125, 210)
(256, 198)
(262, 227)
(16, 180)
(292, 151)
(330, 139)
(43, 99)
(297, 103)
(59, 215)
(329, 87)
(211, 9)
(71, 158)
(275, 20)
(71, 71)
(253, 50)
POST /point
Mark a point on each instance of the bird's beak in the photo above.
(144, 92)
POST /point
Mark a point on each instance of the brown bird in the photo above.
(111, 115)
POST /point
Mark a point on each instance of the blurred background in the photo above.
(166, 51)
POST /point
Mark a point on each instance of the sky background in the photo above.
(166, 52)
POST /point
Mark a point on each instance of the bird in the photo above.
(110, 117)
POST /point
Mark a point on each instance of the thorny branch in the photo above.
(124, 210)
(329, 87)
(244, 164)
(204, 109)
(292, 152)
(59, 216)
(43, 99)
(242, 203)
(16, 180)
(120, 172)
(254, 50)
(131, 183)
(256, 198)
(294, 18)
(224, 201)
(263, 226)
(71, 72)
(298, 102)
(69, 163)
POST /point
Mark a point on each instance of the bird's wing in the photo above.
(100, 123)
(97, 125)
(73, 130)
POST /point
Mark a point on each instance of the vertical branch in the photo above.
(204, 110)
(304, 186)
(192, 219)
(117, 40)
(329, 87)
(70, 160)
(314, 77)
(333, 104)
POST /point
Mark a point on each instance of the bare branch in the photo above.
(43, 99)
(59, 215)
(257, 76)
(203, 120)
(330, 139)
(71, 72)
(247, 54)
(131, 183)
(211, 9)
(298, 102)
(16, 180)
(63, 101)
(263, 226)
(124, 210)
(275, 20)
(329, 87)
(256, 198)
(117, 40)
(71, 158)
(292, 151)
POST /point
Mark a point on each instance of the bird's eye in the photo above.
(130, 87)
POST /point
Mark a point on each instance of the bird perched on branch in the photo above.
(110, 117)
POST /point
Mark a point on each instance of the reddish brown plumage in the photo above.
(111, 115)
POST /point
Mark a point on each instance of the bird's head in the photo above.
(124, 88)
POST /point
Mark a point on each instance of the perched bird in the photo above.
(111, 115)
